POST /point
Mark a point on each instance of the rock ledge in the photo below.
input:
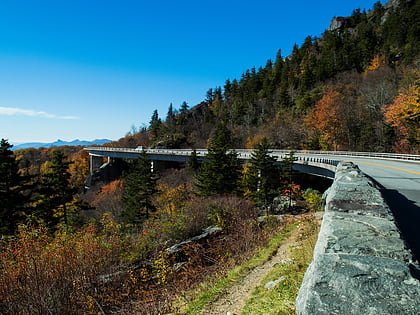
(360, 263)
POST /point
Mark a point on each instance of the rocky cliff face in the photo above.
(360, 264)
(395, 3)
(338, 23)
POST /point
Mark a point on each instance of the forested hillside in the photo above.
(354, 88)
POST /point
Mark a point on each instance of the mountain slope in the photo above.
(332, 92)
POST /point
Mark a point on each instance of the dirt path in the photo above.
(233, 300)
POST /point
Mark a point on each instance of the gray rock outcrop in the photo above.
(360, 263)
(338, 23)
(206, 233)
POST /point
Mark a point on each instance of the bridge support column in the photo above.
(95, 163)
(158, 166)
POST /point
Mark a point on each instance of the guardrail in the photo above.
(393, 156)
(279, 153)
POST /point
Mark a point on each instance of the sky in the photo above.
(95, 69)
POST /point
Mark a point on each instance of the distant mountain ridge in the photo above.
(59, 143)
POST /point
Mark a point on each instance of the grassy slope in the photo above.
(280, 299)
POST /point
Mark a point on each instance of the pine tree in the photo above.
(278, 67)
(13, 185)
(262, 179)
(184, 108)
(193, 161)
(170, 119)
(182, 117)
(286, 174)
(219, 173)
(155, 125)
(56, 192)
(140, 186)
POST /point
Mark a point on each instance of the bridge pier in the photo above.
(96, 162)
(159, 165)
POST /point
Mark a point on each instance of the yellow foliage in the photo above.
(79, 168)
(404, 115)
(406, 106)
(45, 167)
(252, 142)
(376, 62)
(109, 224)
(162, 267)
(172, 200)
(246, 174)
(313, 198)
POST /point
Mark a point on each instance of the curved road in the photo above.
(390, 174)
(398, 175)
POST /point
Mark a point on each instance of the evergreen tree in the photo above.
(287, 174)
(217, 105)
(193, 161)
(184, 108)
(182, 117)
(140, 186)
(13, 185)
(278, 68)
(209, 96)
(170, 119)
(155, 124)
(170, 114)
(219, 173)
(56, 192)
(262, 178)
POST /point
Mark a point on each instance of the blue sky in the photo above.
(94, 68)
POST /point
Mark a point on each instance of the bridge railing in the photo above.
(393, 156)
(246, 153)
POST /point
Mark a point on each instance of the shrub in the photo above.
(313, 198)
(41, 274)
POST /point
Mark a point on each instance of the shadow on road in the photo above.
(407, 217)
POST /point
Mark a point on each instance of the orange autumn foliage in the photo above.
(406, 107)
(404, 115)
(109, 199)
(112, 187)
(376, 62)
(324, 117)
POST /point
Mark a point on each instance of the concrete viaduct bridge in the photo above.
(320, 165)
(397, 172)
(366, 259)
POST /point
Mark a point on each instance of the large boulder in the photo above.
(282, 204)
